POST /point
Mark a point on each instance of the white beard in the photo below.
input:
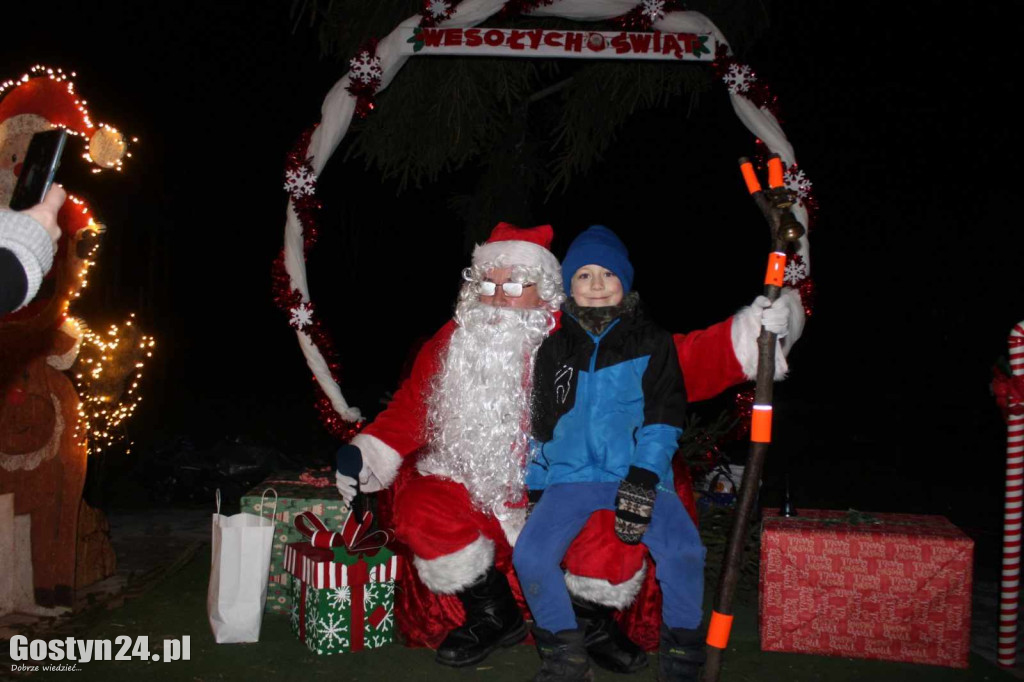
(478, 411)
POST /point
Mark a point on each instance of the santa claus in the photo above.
(464, 413)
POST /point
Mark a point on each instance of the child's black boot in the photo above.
(563, 656)
(681, 655)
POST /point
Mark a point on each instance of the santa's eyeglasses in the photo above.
(510, 289)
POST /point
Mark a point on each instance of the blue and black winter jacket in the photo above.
(605, 403)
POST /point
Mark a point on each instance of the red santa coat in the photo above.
(709, 364)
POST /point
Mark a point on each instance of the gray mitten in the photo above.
(634, 504)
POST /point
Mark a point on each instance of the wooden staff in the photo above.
(775, 204)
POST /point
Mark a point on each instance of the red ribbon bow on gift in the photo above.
(354, 535)
(1009, 392)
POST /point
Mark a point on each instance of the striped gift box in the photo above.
(318, 568)
(341, 601)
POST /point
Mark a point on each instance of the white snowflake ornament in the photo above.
(370, 598)
(438, 8)
(653, 9)
(365, 68)
(332, 632)
(302, 316)
(739, 78)
(299, 182)
(796, 271)
(798, 183)
(340, 597)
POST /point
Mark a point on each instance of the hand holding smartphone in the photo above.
(39, 168)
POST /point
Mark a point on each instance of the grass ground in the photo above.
(177, 606)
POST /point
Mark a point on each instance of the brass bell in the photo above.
(792, 231)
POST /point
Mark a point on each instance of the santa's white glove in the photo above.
(346, 486)
(774, 316)
(348, 465)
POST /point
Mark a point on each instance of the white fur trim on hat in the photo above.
(450, 573)
(515, 252)
(600, 591)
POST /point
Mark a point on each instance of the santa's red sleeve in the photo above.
(708, 361)
(725, 354)
(401, 428)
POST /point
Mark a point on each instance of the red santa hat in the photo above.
(52, 99)
(50, 95)
(527, 246)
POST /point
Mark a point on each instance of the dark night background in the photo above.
(900, 115)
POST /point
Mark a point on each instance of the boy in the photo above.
(609, 405)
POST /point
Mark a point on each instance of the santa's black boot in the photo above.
(492, 620)
(563, 656)
(681, 655)
(607, 645)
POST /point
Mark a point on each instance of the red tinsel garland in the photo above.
(429, 19)
(516, 7)
(710, 454)
(744, 406)
(290, 301)
(364, 77)
(757, 91)
(643, 16)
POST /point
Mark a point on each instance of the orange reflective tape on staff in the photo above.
(749, 176)
(775, 175)
(718, 629)
(776, 269)
(776, 204)
(761, 424)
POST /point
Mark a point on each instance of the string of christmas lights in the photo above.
(106, 368)
(105, 145)
(107, 376)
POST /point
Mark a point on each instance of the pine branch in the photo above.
(698, 440)
(342, 26)
(601, 99)
(444, 114)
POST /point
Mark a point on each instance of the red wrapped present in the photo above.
(883, 586)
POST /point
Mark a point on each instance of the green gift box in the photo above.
(295, 495)
(341, 601)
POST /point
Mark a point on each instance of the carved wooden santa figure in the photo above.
(42, 458)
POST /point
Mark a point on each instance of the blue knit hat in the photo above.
(597, 245)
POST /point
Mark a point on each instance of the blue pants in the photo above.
(560, 515)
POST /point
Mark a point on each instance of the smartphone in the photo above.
(39, 168)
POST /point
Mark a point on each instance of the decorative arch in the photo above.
(376, 65)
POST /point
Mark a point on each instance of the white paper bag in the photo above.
(239, 566)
